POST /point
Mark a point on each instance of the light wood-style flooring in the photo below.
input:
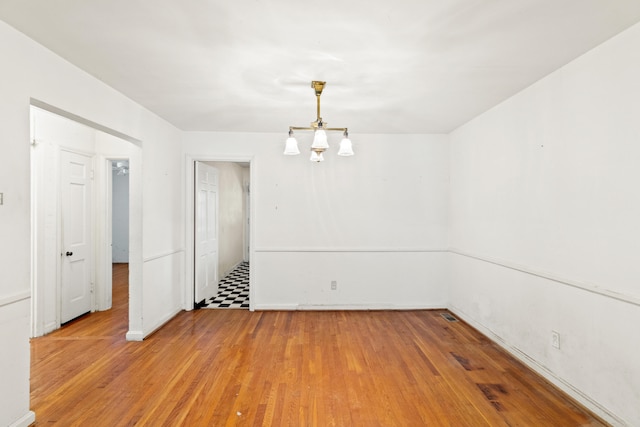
(299, 368)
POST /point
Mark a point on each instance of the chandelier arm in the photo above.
(310, 128)
(300, 128)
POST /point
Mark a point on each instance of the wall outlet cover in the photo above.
(555, 339)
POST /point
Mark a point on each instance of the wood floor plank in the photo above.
(235, 367)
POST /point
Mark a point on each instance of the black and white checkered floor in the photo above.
(233, 290)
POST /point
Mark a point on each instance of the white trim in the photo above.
(24, 421)
(275, 307)
(348, 249)
(14, 298)
(34, 160)
(49, 327)
(79, 119)
(163, 255)
(550, 276)
(134, 336)
(536, 366)
(351, 307)
(104, 280)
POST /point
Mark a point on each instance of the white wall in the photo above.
(30, 71)
(544, 210)
(231, 215)
(375, 222)
(120, 218)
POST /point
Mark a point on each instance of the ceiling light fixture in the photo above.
(122, 168)
(320, 143)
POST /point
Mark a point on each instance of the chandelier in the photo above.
(320, 143)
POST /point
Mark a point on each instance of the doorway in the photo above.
(233, 232)
(119, 234)
(71, 217)
(120, 211)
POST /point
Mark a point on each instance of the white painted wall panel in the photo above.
(164, 269)
(14, 361)
(391, 197)
(547, 182)
(364, 280)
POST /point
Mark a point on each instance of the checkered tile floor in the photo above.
(233, 290)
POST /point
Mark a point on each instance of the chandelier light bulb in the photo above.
(291, 146)
(316, 156)
(320, 140)
(346, 148)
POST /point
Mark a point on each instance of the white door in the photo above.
(76, 256)
(206, 231)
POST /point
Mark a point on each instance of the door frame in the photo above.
(104, 208)
(190, 159)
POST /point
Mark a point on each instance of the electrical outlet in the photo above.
(555, 339)
(334, 285)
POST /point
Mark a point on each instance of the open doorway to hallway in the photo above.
(120, 235)
(227, 227)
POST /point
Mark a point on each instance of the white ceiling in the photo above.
(404, 66)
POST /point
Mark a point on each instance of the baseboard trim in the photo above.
(542, 370)
(275, 307)
(134, 336)
(383, 249)
(351, 307)
(25, 421)
(50, 327)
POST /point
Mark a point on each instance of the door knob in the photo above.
(69, 253)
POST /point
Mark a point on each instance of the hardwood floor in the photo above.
(300, 368)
